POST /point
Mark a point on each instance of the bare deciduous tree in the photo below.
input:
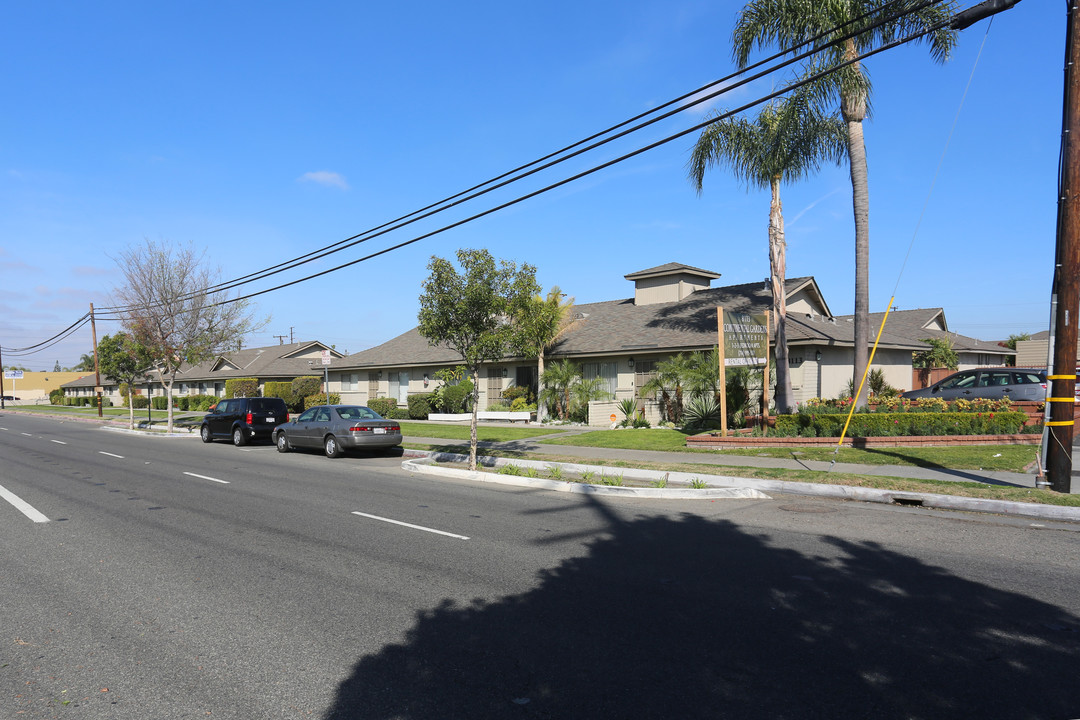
(167, 308)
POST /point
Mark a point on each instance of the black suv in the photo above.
(244, 419)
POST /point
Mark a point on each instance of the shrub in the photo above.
(141, 402)
(811, 424)
(703, 411)
(304, 386)
(397, 413)
(514, 392)
(281, 390)
(242, 387)
(56, 397)
(455, 398)
(201, 403)
(420, 406)
(498, 407)
(383, 406)
(520, 404)
(320, 399)
(640, 422)
(181, 402)
(159, 402)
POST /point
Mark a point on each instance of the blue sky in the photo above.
(262, 131)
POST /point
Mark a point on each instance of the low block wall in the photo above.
(715, 442)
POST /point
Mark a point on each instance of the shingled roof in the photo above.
(619, 326)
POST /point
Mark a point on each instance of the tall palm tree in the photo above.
(787, 141)
(788, 23)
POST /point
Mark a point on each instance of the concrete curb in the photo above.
(150, 433)
(420, 460)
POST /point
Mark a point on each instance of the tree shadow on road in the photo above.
(697, 618)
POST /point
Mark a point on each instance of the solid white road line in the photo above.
(408, 525)
(22, 506)
(58, 442)
(204, 477)
(102, 452)
(26, 434)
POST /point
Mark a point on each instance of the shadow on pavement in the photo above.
(691, 617)
(969, 475)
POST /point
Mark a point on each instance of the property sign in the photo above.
(325, 357)
(13, 374)
(746, 339)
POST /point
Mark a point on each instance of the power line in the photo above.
(548, 161)
(578, 148)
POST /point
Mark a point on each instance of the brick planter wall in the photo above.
(715, 442)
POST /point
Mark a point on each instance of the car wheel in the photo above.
(238, 438)
(204, 433)
(282, 443)
(332, 447)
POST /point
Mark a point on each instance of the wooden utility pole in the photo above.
(1066, 275)
(97, 367)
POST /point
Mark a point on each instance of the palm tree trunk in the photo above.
(778, 271)
(853, 108)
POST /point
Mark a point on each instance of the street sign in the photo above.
(13, 374)
(746, 339)
(325, 357)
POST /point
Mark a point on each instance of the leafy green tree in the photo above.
(1011, 344)
(788, 24)
(940, 354)
(167, 307)
(123, 360)
(477, 313)
(787, 141)
(85, 364)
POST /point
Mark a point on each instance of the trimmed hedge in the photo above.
(383, 406)
(320, 399)
(397, 413)
(281, 390)
(140, 401)
(807, 424)
(242, 387)
(420, 406)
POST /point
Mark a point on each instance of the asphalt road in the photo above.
(174, 579)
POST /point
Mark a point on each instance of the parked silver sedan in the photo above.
(337, 428)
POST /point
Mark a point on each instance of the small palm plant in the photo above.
(628, 406)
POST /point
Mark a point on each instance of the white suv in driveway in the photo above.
(993, 383)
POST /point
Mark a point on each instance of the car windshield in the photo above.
(358, 413)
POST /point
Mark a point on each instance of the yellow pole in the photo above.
(862, 382)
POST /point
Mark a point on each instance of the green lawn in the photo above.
(109, 412)
(461, 432)
(1012, 458)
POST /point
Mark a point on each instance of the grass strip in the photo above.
(941, 487)
(461, 432)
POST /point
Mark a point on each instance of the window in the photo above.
(307, 416)
(350, 382)
(608, 372)
(960, 380)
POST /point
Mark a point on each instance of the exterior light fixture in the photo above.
(817, 356)
(630, 362)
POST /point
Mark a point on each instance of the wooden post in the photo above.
(723, 374)
(1066, 281)
(97, 370)
(765, 382)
